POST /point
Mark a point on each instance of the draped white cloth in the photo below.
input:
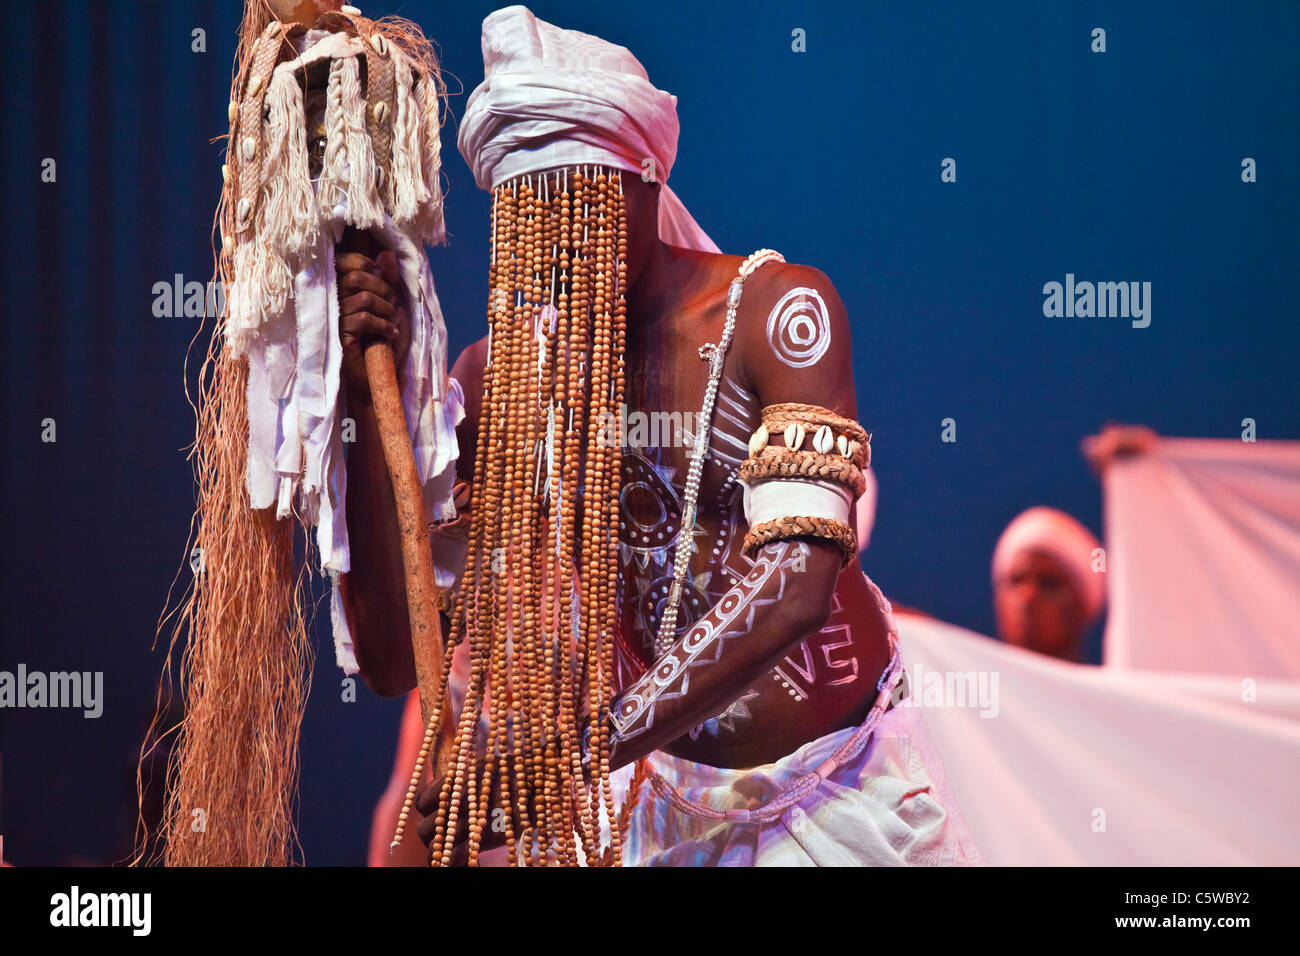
(889, 806)
(296, 442)
(1203, 548)
(1074, 764)
(552, 97)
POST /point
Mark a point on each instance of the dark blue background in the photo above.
(1116, 166)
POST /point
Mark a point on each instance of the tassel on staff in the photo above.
(240, 626)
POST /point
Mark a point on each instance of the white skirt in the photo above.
(889, 806)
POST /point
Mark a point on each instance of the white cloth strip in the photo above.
(795, 497)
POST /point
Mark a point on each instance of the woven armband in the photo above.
(805, 485)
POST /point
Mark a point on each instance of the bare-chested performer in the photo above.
(780, 646)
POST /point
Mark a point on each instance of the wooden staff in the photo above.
(417, 553)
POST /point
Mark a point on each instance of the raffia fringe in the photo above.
(346, 118)
(261, 281)
(260, 290)
(410, 192)
(430, 225)
(286, 212)
(333, 185)
(288, 203)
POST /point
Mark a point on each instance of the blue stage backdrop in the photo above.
(1129, 165)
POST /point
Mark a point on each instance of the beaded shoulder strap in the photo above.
(714, 355)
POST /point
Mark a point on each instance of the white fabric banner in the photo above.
(1060, 764)
(1203, 556)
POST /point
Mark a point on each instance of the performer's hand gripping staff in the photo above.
(335, 125)
(417, 555)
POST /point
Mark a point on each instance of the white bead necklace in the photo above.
(714, 355)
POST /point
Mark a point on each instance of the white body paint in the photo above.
(799, 328)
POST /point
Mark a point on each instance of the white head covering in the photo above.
(1055, 532)
(553, 97)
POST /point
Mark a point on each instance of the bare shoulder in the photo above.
(795, 309)
(776, 274)
(469, 365)
(793, 337)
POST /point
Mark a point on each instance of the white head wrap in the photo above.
(553, 97)
(1055, 532)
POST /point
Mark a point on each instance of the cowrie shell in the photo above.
(232, 111)
(843, 443)
(377, 41)
(255, 87)
(349, 11)
(380, 111)
(758, 441)
(794, 435)
(824, 441)
(225, 173)
(250, 147)
(242, 209)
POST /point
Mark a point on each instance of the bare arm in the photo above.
(383, 824)
(785, 598)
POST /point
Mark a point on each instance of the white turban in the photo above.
(1056, 533)
(553, 97)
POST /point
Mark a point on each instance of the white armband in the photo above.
(795, 496)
